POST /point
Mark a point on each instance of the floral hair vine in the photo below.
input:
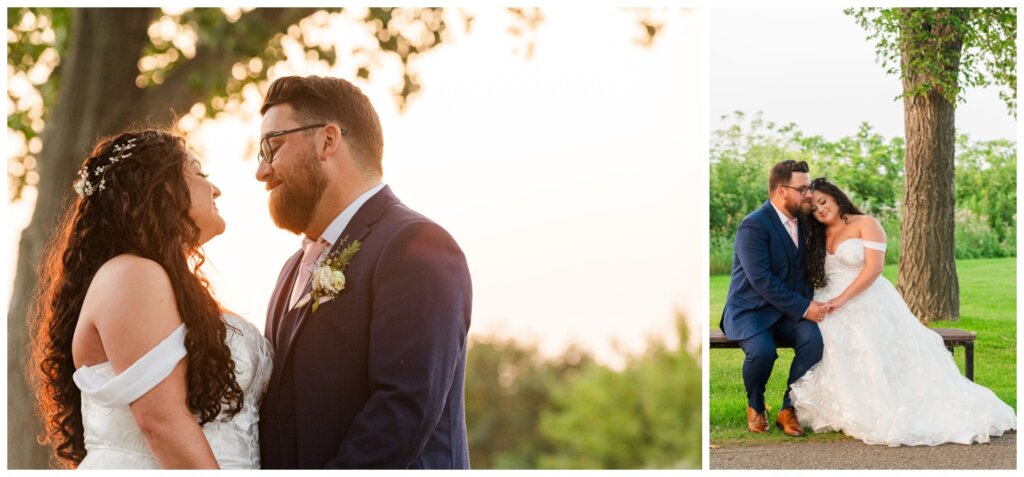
(84, 187)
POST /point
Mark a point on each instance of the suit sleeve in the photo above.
(752, 250)
(421, 314)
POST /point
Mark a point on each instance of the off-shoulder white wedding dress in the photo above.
(884, 377)
(113, 439)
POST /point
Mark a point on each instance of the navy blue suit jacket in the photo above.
(768, 277)
(373, 379)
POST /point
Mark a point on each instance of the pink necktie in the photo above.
(791, 226)
(310, 253)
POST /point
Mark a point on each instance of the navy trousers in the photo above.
(803, 336)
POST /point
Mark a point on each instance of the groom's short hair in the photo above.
(334, 100)
(782, 173)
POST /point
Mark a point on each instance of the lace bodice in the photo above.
(842, 267)
(113, 439)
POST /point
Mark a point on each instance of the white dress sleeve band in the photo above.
(874, 245)
(143, 375)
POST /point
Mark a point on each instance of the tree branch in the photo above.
(179, 92)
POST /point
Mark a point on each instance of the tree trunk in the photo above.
(927, 263)
(96, 97)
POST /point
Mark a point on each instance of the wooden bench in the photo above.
(951, 336)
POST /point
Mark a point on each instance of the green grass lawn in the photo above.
(988, 307)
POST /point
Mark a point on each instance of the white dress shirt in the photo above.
(785, 219)
(333, 231)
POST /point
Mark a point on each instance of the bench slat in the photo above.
(950, 336)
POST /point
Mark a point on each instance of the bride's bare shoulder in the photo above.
(127, 269)
(870, 228)
(131, 304)
(862, 219)
(129, 284)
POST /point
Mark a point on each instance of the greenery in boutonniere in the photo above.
(329, 276)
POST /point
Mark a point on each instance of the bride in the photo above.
(884, 377)
(135, 363)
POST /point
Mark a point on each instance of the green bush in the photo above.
(976, 239)
(721, 255)
(645, 416)
(525, 411)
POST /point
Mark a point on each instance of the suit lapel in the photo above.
(281, 298)
(780, 230)
(357, 229)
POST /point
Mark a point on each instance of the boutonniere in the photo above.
(328, 278)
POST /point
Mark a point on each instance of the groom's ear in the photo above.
(332, 139)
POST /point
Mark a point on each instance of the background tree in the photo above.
(938, 53)
(645, 416)
(525, 411)
(508, 387)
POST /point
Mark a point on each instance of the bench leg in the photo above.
(969, 360)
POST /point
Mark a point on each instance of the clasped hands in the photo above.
(817, 311)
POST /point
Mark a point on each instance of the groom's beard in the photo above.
(293, 203)
(799, 209)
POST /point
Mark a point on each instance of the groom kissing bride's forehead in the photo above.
(369, 318)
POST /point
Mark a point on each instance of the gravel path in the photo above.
(1000, 453)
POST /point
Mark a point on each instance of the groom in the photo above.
(769, 302)
(370, 340)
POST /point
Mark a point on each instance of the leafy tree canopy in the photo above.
(988, 54)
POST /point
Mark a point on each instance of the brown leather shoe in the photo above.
(788, 423)
(757, 422)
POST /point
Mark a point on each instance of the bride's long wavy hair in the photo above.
(142, 209)
(816, 250)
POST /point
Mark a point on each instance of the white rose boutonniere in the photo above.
(328, 278)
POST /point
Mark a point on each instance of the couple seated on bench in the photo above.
(863, 363)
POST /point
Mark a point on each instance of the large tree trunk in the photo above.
(89, 105)
(927, 264)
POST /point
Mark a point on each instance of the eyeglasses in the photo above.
(266, 155)
(802, 190)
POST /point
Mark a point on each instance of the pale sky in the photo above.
(815, 67)
(574, 181)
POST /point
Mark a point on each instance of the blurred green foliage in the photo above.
(869, 168)
(525, 411)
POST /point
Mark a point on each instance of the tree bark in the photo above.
(97, 97)
(927, 264)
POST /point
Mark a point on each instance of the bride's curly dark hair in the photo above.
(816, 250)
(142, 209)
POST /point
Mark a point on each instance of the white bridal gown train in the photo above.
(113, 439)
(884, 377)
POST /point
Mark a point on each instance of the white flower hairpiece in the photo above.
(84, 187)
